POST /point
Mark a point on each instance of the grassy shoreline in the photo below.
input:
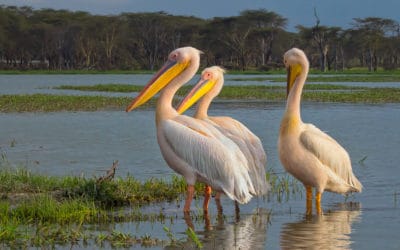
(375, 78)
(42, 211)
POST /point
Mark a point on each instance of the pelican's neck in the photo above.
(294, 98)
(164, 108)
(205, 102)
(292, 119)
(202, 107)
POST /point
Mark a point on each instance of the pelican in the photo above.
(207, 88)
(310, 155)
(192, 148)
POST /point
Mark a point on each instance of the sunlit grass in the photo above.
(21, 184)
(38, 210)
(22, 188)
(52, 103)
(312, 92)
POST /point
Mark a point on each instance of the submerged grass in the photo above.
(283, 186)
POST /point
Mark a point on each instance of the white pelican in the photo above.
(192, 148)
(207, 88)
(306, 152)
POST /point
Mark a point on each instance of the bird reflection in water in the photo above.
(248, 232)
(330, 231)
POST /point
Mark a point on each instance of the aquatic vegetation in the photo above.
(38, 210)
(333, 78)
(50, 103)
(362, 160)
(170, 235)
(283, 186)
(193, 236)
(122, 88)
(313, 92)
(21, 184)
(112, 87)
(46, 211)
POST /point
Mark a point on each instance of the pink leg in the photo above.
(218, 202)
(188, 220)
(207, 221)
(189, 198)
(207, 195)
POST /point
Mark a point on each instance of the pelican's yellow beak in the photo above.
(164, 76)
(198, 91)
(293, 72)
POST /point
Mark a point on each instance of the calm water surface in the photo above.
(75, 143)
(87, 143)
(32, 84)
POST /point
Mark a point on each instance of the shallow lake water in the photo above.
(30, 84)
(76, 143)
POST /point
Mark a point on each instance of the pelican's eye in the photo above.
(207, 75)
(174, 56)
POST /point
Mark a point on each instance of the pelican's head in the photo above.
(295, 61)
(179, 60)
(211, 81)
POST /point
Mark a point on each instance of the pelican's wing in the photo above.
(330, 153)
(251, 147)
(211, 155)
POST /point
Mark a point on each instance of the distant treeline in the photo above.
(254, 40)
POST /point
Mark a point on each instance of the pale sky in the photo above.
(331, 12)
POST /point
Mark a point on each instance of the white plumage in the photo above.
(193, 148)
(213, 158)
(207, 88)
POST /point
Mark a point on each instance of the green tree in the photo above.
(264, 25)
(369, 35)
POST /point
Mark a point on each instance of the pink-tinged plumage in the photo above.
(194, 149)
(309, 154)
(247, 141)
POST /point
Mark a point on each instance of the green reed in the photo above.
(312, 92)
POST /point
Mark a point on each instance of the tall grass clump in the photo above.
(283, 186)
(23, 181)
(46, 209)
